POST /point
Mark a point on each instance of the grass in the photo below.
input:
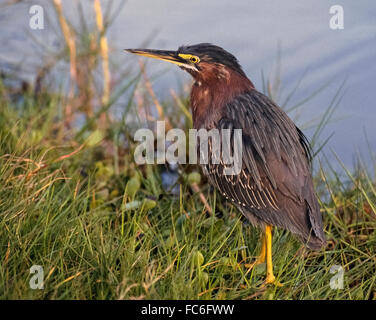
(73, 201)
(101, 233)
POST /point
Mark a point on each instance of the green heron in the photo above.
(274, 186)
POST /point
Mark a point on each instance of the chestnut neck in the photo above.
(215, 85)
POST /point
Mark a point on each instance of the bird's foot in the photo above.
(270, 279)
(250, 266)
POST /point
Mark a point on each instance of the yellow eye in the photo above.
(189, 57)
(194, 59)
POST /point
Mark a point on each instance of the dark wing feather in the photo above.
(275, 185)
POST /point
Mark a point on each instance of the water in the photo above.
(251, 30)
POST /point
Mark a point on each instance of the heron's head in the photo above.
(202, 61)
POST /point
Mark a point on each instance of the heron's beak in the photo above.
(165, 55)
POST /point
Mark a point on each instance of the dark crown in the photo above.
(213, 54)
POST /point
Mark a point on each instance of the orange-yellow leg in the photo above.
(266, 254)
(270, 278)
(261, 258)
